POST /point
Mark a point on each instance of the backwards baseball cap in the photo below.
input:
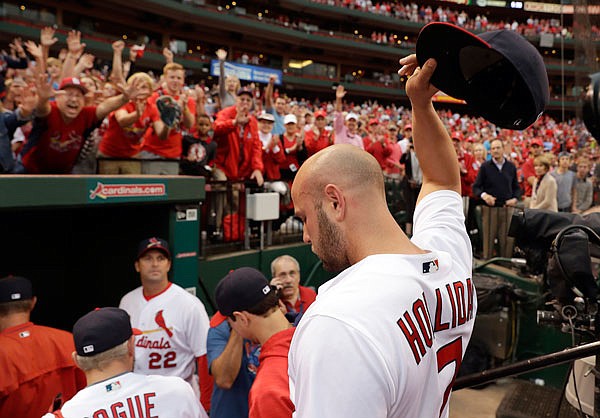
(72, 82)
(564, 154)
(15, 288)
(289, 118)
(351, 115)
(153, 243)
(498, 73)
(241, 289)
(101, 330)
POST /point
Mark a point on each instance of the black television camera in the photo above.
(560, 246)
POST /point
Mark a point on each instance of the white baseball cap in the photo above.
(351, 115)
(289, 118)
(266, 116)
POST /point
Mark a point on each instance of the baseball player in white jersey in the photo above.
(385, 338)
(174, 323)
(104, 344)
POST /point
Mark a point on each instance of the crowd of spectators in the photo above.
(65, 116)
(426, 14)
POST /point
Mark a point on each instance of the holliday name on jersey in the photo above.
(416, 326)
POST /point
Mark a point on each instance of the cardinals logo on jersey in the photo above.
(160, 321)
(59, 144)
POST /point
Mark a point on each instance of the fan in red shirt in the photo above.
(273, 154)
(127, 125)
(468, 174)
(379, 147)
(61, 127)
(292, 144)
(317, 138)
(239, 149)
(536, 148)
(286, 276)
(171, 148)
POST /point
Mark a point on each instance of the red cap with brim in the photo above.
(72, 82)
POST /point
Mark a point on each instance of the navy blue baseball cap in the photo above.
(500, 75)
(101, 330)
(153, 243)
(241, 289)
(14, 288)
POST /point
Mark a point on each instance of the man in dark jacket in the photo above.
(498, 187)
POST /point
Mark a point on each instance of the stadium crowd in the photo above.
(426, 14)
(63, 115)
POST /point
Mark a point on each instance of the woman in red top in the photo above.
(292, 143)
(126, 128)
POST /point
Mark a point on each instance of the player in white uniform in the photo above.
(173, 322)
(104, 345)
(385, 338)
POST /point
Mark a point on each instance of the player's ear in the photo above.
(241, 317)
(335, 200)
(74, 356)
(137, 266)
(131, 346)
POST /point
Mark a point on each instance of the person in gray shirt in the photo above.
(565, 181)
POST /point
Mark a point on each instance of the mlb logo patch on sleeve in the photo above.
(113, 386)
(431, 266)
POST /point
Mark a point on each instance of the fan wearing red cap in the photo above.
(174, 323)
(38, 371)
(318, 137)
(59, 130)
(239, 149)
(104, 350)
(536, 148)
(468, 174)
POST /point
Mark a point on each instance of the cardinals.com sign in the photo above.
(104, 192)
(246, 72)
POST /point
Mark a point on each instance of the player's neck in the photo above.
(113, 369)
(13, 320)
(274, 323)
(390, 240)
(152, 289)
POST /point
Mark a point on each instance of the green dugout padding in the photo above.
(215, 268)
(76, 237)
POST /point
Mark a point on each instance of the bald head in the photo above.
(347, 166)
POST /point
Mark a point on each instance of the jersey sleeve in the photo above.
(184, 402)
(440, 225)
(323, 372)
(197, 328)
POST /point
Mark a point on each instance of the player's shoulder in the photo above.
(54, 333)
(131, 295)
(173, 385)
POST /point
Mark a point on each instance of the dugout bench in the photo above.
(76, 237)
